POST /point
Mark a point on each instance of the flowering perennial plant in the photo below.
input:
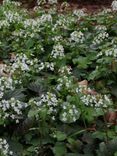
(114, 5)
(47, 103)
(96, 101)
(11, 110)
(4, 148)
(112, 52)
(51, 61)
(58, 51)
(100, 38)
(77, 37)
(69, 113)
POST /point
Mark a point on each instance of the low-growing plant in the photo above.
(58, 85)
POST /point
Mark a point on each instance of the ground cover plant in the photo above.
(58, 81)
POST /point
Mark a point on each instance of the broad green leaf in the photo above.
(59, 149)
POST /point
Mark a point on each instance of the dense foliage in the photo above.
(58, 81)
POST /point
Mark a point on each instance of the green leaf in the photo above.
(99, 135)
(82, 62)
(29, 43)
(37, 87)
(17, 94)
(114, 90)
(32, 113)
(115, 154)
(59, 149)
(60, 136)
(16, 147)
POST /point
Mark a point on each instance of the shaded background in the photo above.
(91, 5)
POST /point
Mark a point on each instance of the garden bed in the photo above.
(58, 89)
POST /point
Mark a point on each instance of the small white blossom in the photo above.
(65, 70)
(114, 5)
(12, 109)
(77, 36)
(96, 101)
(58, 51)
(52, 1)
(100, 28)
(4, 148)
(100, 38)
(79, 13)
(48, 102)
(70, 113)
(111, 52)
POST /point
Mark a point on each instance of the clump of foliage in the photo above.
(58, 88)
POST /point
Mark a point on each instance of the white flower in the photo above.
(52, 1)
(79, 13)
(48, 102)
(58, 51)
(12, 109)
(111, 52)
(64, 81)
(100, 28)
(100, 37)
(65, 70)
(114, 5)
(77, 36)
(70, 113)
(4, 148)
(96, 101)
(46, 18)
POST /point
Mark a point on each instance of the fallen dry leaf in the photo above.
(83, 83)
(111, 117)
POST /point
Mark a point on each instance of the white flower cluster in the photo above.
(5, 83)
(57, 39)
(9, 2)
(100, 28)
(46, 65)
(3, 68)
(96, 101)
(12, 109)
(69, 113)
(48, 102)
(79, 13)
(4, 148)
(45, 18)
(41, 2)
(100, 38)
(77, 37)
(58, 51)
(82, 89)
(12, 17)
(65, 70)
(112, 52)
(63, 22)
(19, 33)
(114, 5)
(52, 1)
(32, 23)
(33, 26)
(64, 82)
(21, 62)
(4, 24)
(91, 98)
(25, 34)
(105, 11)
